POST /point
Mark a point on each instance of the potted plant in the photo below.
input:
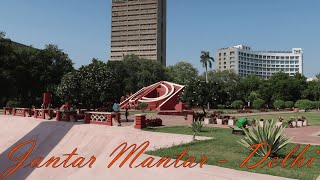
(208, 119)
(231, 121)
(300, 121)
(261, 122)
(292, 122)
(280, 121)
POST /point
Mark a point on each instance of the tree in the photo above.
(248, 88)
(138, 73)
(237, 104)
(2, 34)
(92, 85)
(282, 86)
(312, 91)
(279, 104)
(70, 87)
(258, 103)
(181, 73)
(289, 104)
(304, 104)
(206, 61)
(200, 93)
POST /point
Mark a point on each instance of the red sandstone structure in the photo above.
(161, 96)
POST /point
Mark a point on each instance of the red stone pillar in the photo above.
(58, 116)
(67, 116)
(35, 113)
(43, 114)
(24, 112)
(109, 119)
(5, 111)
(87, 118)
(140, 121)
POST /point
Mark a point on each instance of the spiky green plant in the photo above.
(196, 127)
(269, 133)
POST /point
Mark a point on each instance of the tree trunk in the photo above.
(203, 109)
(208, 105)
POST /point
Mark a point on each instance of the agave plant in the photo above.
(196, 127)
(269, 133)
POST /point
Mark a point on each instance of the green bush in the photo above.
(279, 104)
(316, 104)
(142, 106)
(237, 104)
(304, 104)
(12, 104)
(270, 133)
(289, 104)
(258, 103)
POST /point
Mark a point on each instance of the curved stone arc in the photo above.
(161, 97)
(167, 91)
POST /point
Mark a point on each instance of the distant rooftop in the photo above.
(248, 48)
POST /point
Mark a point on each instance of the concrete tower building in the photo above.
(139, 27)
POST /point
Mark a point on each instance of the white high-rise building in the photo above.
(244, 61)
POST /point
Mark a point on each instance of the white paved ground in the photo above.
(58, 138)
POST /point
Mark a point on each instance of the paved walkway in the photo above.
(58, 138)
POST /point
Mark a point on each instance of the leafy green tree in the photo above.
(206, 60)
(139, 73)
(200, 93)
(258, 103)
(282, 86)
(92, 85)
(304, 104)
(181, 73)
(312, 91)
(248, 87)
(289, 104)
(279, 104)
(2, 34)
(237, 104)
(70, 87)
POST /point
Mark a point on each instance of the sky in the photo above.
(82, 27)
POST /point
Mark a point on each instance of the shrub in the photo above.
(304, 104)
(270, 133)
(279, 104)
(289, 104)
(258, 103)
(316, 104)
(142, 106)
(220, 106)
(12, 104)
(196, 127)
(154, 122)
(237, 104)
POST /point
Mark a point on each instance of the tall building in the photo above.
(139, 27)
(244, 61)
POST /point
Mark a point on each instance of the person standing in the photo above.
(116, 109)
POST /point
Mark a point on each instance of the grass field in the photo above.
(224, 146)
(312, 117)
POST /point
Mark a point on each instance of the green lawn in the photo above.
(313, 117)
(224, 146)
